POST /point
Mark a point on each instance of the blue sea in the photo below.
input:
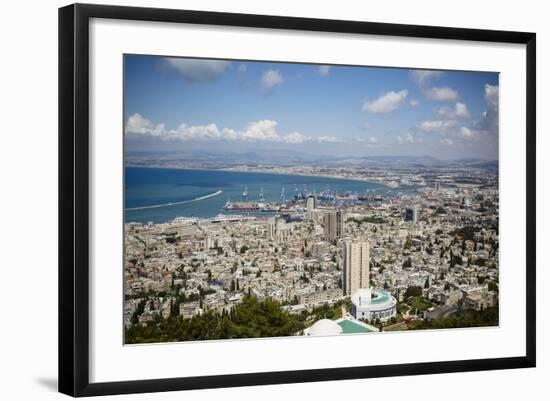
(159, 186)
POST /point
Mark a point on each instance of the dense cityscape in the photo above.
(267, 199)
(322, 262)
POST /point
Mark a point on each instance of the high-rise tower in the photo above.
(334, 225)
(356, 266)
(311, 204)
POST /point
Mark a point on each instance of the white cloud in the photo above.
(242, 68)
(491, 96)
(296, 138)
(414, 102)
(460, 110)
(196, 70)
(441, 94)
(446, 123)
(257, 131)
(324, 70)
(201, 133)
(450, 122)
(263, 130)
(467, 134)
(408, 138)
(421, 76)
(487, 127)
(328, 139)
(271, 79)
(139, 125)
(386, 103)
(489, 120)
(436, 125)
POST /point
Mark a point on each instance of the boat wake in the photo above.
(175, 203)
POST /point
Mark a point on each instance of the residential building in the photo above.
(356, 266)
(334, 225)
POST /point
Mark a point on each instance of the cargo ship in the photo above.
(251, 207)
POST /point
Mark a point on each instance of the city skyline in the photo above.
(192, 104)
(327, 263)
(274, 199)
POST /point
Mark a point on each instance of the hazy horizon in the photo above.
(259, 153)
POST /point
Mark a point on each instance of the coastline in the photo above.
(133, 218)
(237, 170)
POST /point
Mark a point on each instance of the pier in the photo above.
(175, 203)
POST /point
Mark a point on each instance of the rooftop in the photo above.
(354, 327)
(382, 296)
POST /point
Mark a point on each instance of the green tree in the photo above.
(413, 291)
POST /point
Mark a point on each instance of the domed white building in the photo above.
(372, 304)
(347, 324)
(324, 327)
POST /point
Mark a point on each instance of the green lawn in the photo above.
(419, 303)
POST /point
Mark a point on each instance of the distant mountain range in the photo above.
(286, 157)
(426, 161)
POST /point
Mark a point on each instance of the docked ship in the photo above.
(242, 206)
(251, 207)
(347, 196)
(221, 218)
(256, 206)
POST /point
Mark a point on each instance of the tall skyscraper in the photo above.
(311, 204)
(356, 266)
(334, 225)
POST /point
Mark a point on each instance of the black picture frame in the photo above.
(74, 198)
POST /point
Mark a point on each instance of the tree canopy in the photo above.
(249, 319)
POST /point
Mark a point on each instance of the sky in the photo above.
(245, 106)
